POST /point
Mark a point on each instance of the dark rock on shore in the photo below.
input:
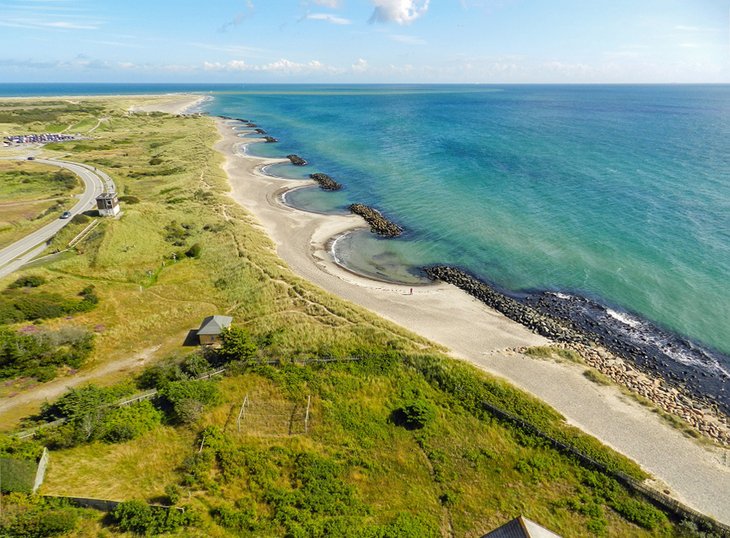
(378, 223)
(249, 124)
(623, 364)
(508, 306)
(259, 131)
(326, 182)
(296, 160)
(270, 139)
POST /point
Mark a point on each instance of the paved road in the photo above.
(95, 182)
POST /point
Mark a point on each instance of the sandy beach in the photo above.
(696, 475)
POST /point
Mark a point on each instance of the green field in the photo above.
(31, 196)
(359, 469)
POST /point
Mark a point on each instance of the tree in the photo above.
(237, 345)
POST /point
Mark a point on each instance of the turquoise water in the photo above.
(618, 193)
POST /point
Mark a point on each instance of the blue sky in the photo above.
(460, 41)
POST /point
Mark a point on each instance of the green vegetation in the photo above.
(319, 449)
(554, 353)
(597, 377)
(40, 353)
(36, 517)
(31, 196)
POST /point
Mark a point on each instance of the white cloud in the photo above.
(398, 11)
(360, 66)
(32, 24)
(407, 39)
(328, 17)
(283, 66)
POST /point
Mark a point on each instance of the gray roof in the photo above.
(214, 324)
(521, 527)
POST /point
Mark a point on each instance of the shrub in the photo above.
(29, 281)
(129, 422)
(195, 251)
(185, 400)
(140, 518)
(415, 414)
(237, 345)
(128, 199)
(80, 218)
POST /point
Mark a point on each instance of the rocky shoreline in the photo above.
(325, 182)
(378, 223)
(670, 396)
(270, 139)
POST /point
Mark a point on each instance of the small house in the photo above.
(211, 329)
(108, 204)
(521, 527)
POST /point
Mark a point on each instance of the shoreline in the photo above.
(477, 334)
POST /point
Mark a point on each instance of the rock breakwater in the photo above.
(296, 160)
(270, 139)
(325, 182)
(672, 397)
(378, 223)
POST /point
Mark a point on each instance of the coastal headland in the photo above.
(480, 335)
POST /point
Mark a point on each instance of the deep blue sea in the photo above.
(620, 194)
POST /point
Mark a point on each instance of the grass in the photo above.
(464, 469)
(558, 354)
(32, 195)
(597, 377)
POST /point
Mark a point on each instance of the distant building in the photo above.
(521, 527)
(108, 204)
(211, 329)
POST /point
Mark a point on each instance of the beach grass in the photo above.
(464, 471)
(31, 196)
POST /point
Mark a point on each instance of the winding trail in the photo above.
(16, 255)
(694, 474)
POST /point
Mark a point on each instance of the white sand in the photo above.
(698, 476)
(172, 104)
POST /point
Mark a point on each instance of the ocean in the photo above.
(615, 195)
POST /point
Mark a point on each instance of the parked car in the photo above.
(66, 215)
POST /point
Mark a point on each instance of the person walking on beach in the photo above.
(411, 292)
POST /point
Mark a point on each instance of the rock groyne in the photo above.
(703, 416)
(378, 223)
(270, 139)
(325, 182)
(296, 160)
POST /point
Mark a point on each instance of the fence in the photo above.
(658, 499)
(22, 475)
(104, 505)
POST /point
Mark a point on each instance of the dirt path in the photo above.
(31, 396)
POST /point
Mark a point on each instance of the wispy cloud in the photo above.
(235, 50)
(695, 29)
(31, 24)
(398, 11)
(327, 17)
(239, 17)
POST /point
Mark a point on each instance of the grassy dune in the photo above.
(462, 474)
(31, 196)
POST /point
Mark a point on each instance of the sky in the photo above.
(366, 41)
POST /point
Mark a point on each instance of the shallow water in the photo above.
(617, 193)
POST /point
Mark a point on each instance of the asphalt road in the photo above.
(95, 182)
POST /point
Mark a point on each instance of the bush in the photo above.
(140, 518)
(80, 218)
(40, 354)
(129, 422)
(195, 251)
(29, 281)
(185, 400)
(415, 414)
(237, 345)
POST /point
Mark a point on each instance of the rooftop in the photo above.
(214, 324)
